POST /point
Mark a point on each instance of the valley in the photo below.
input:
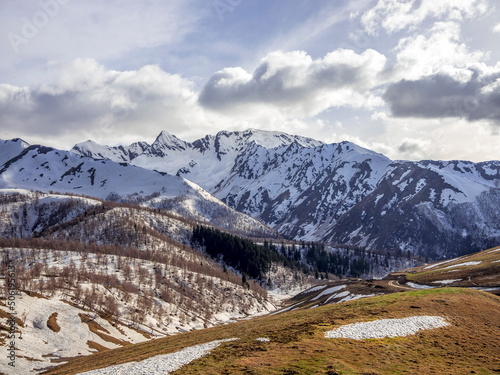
(244, 248)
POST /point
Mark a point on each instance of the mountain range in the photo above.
(118, 245)
(334, 193)
(305, 189)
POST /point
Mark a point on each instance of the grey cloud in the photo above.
(440, 96)
(49, 114)
(91, 102)
(287, 84)
(408, 147)
(411, 150)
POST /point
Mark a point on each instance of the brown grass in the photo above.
(6, 315)
(94, 345)
(485, 274)
(52, 323)
(34, 294)
(100, 331)
(298, 345)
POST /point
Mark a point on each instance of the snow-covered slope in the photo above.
(78, 302)
(45, 169)
(11, 148)
(338, 193)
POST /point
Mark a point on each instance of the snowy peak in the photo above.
(349, 147)
(11, 148)
(168, 142)
(266, 139)
(96, 151)
(119, 154)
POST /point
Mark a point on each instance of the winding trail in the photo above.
(395, 284)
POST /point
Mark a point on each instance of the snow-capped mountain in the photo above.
(46, 169)
(338, 193)
(206, 161)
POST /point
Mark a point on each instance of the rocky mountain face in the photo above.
(337, 193)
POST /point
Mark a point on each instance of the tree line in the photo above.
(251, 259)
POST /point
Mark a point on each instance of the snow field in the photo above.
(161, 364)
(383, 328)
(329, 291)
(472, 263)
(37, 344)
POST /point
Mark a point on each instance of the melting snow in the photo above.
(387, 328)
(337, 295)
(419, 286)
(440, 263)
(473, 263)
(161, 364)
(352, 297)
(450, 281)
(263, 339)
(313, 289)
(329, 291)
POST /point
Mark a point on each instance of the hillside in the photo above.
(333, 193)
(323, 307)
(295, 343)
(106, 274)
(104, 296)
(479, 270)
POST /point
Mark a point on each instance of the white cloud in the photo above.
(438, 139)
(496, 28)
(397, 15)
(85, 100)
(297, 84)
(439, 50)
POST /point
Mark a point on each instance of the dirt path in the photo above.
(395, 284)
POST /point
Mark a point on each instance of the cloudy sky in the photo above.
(413, 79)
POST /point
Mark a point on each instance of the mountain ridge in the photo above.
(47, 169)
(337, 193)
(313, 191)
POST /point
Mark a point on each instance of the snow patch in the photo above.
(263, 339)
(313, 289)
(329, 291)
(161, 364)
(387, 328)
(440, 263)
(450, 281)
(353, 297)
(419, 286)
(472, 263)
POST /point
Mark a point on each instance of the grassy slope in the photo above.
(298, 345)
(484, 274)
